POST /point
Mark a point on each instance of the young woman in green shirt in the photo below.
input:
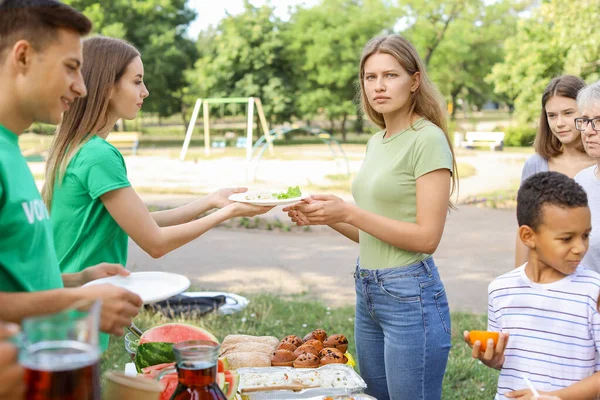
(93, 208)
(402, 193)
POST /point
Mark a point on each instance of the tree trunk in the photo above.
(183, 110)
(454, 95)
(454, 13)
(359, 125)
(331, 124)
(344, 117)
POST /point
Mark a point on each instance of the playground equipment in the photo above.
(282, 132)
(255, 152)
(251, 101)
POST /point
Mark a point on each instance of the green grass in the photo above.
(524, 150)
(280, 316)
(466, 170)
(505, 198)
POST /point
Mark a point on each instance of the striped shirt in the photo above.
(554, 329)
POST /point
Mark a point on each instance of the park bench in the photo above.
(241, 142)
(218, 143)
(125, 140)
(495, 140)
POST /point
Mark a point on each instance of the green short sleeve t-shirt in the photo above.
(27, 257)
(386, 184)
(85, 233)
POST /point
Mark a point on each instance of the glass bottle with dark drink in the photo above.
(196, 368)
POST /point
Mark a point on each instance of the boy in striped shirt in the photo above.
(548, 306)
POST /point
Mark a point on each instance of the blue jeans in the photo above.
(402, 331)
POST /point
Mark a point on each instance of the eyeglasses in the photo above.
(582, 123)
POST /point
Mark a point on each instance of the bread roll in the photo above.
(248, 359)
(245, 347)
(234, 339)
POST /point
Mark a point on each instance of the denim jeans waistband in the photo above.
(425, 267)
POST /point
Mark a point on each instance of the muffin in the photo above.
(282, 358)
(330, 350)
(307, 360)
(306, 348)
(314, 343)
(293, 339)
(333, 358)
(338, 341)
(286, 346)
(317, 334)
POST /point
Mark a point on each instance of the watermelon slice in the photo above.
(149, 354)
(170, 381)
(222, 364)
(232, 380)
(154, 370)
(175, 333)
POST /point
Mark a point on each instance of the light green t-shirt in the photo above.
(85, 233)
(27, 258)
(386, 185)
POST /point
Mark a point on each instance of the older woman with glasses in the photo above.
(588, 101)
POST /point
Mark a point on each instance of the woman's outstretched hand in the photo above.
(319, 209)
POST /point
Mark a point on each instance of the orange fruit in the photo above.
(483, 337)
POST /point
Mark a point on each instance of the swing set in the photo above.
(255, 151)
(253, 102)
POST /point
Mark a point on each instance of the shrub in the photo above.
(519, 136)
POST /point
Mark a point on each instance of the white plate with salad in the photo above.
(270, 198)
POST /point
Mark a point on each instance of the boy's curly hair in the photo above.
(543, 188)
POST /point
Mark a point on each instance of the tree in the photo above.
(430, 21)
(157, 28)
(246, 57)
(559, 37)
(325, 42)
(461, 40)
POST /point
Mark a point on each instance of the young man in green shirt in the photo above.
(40, 60)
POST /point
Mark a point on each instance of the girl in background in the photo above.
(558, 145)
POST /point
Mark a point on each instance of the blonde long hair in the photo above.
(105, 62)
(426, 101)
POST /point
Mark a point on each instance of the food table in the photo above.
(316, 367)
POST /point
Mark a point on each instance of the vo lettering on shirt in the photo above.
(35, 210)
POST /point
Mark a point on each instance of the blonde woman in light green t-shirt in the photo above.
(402, 195)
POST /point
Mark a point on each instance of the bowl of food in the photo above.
(131, 344)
